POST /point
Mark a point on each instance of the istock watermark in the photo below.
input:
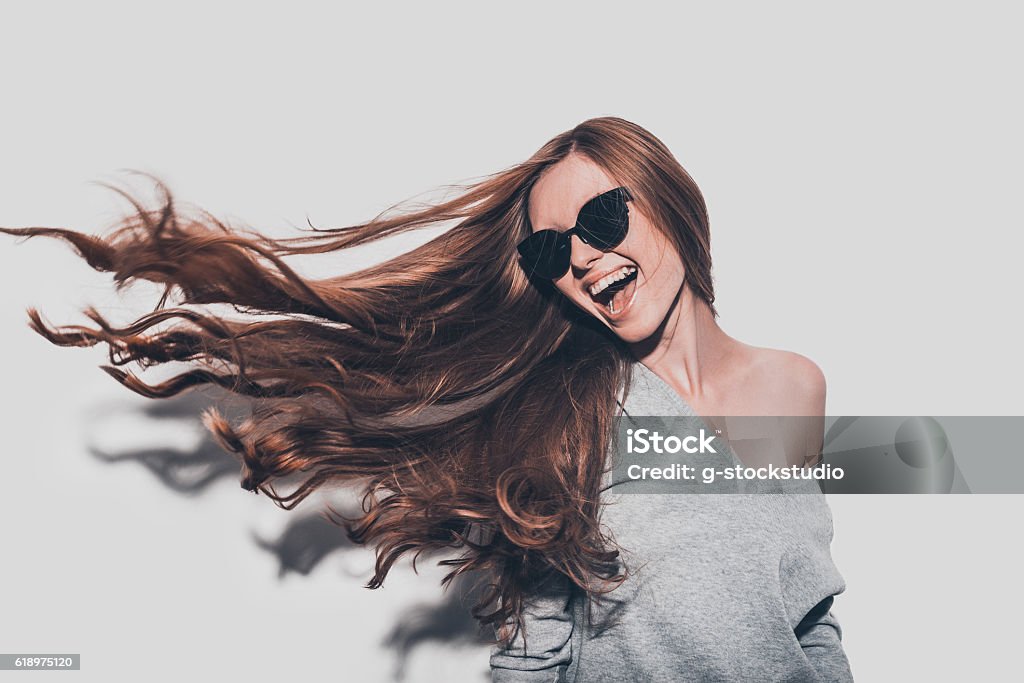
(709, 475)
(652, 441)
(818, 454)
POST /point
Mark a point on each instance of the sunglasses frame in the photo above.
(560, 241)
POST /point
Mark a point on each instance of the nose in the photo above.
(583, 254)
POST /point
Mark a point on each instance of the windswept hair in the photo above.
(470, 404)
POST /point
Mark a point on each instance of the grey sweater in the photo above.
(723, 587)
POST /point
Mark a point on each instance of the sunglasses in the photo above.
(602, 223)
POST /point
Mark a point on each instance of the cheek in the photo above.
(564, 284)
(665, 274)
(655, 254)
(670, 274)
(643, 243)
(565, 287)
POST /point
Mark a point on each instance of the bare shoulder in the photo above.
(788, 382)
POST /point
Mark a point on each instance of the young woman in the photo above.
(471, 387)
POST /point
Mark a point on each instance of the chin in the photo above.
(641, 324)
(634, 331)
(631, 336)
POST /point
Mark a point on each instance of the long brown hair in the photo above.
(472, 405)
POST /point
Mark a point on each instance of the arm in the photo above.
(546, 652)
(821, 637)
(810, 582)
(803, 412)
(818, 630)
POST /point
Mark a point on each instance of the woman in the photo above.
(472, 392)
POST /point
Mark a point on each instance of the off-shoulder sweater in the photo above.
(721, 587)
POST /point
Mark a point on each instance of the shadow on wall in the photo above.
(307, 540)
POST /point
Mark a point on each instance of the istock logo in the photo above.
(648, 441)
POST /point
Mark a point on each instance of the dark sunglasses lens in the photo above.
(605, 219)
(602, 223)
(546, 254)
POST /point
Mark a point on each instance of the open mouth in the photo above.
(615, 297)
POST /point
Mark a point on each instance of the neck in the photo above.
(688, 349)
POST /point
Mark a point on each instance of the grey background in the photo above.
(862, 169)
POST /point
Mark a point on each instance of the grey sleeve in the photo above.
(810, 581)
(546, 651)
(821, 638)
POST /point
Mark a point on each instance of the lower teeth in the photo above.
(619, 296)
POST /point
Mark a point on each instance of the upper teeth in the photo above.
(603, 283)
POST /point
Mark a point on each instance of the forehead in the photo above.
(562, 190)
